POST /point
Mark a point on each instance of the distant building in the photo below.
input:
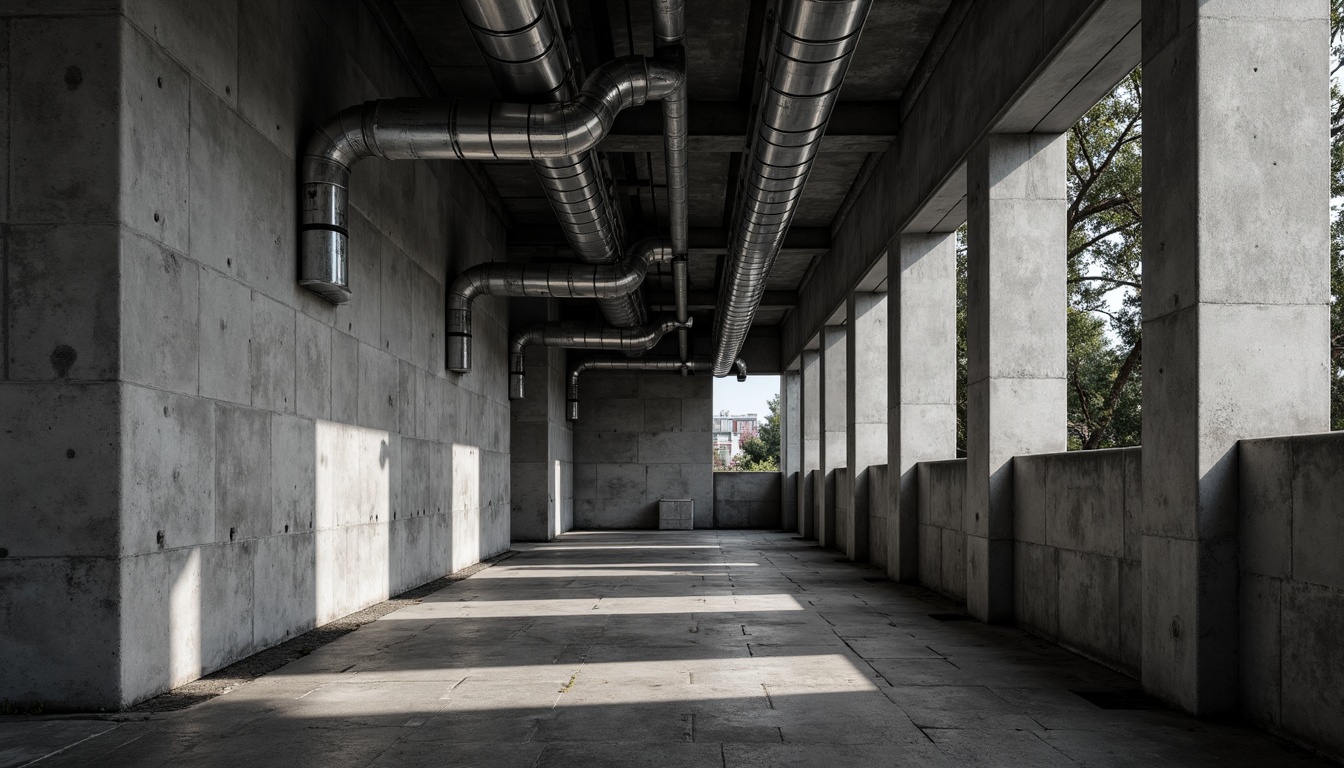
(731, 430)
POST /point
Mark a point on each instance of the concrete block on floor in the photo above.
(676, 514)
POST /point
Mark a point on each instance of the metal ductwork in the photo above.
(669, 32)
(525, 46)
(809, 53)
(581, 336)
(566, 281)
(621, 364)
(448, 129)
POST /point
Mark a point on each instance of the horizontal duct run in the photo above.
(563, 281)
(809, 53)
(528, 47)
(696, 365)
(575, 335)
(446, 129)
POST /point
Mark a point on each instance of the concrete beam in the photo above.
(866, 410)
(721, 126)
(1016, 349)
(1052, 62)
(834, 427)
(1236, 305)
(922, 384)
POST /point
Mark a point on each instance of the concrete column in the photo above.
(1015, 343)
(834, 427)
(810, 391)
(790, 446)
(921, 380)
(1236, 304)
(866, 409)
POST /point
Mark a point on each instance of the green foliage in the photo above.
(769, 433)
(756, 457)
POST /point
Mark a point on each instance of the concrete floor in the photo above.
(664, 649)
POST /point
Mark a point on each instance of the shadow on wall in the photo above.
(387, 513)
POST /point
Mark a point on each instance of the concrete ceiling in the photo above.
(723, 42)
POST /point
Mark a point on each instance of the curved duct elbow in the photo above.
(581, 336)
(809, 55)
(448, 129)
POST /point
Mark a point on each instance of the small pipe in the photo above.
(621, 364)
(580, 336)
(565, 281)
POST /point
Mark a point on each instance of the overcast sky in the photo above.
(749, 396)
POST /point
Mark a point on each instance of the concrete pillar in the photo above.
(1236, 304)
(790, 446)
(1015, 344)
(834, 427)
(866, 409)
(810, 391)
(921, 380)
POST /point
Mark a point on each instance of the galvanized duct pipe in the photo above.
(624, 364)
(809, 55)
(564, 281)
(669, 32)
(448, 129)
(525, 47)
(581, 336)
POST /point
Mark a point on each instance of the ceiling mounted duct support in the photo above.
(580, 336)
(452, 129)
(809, 52)
(528, 49)
(561, 281)
(625, 364)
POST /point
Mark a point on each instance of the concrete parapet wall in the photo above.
(842, 492)
(879, 511)
(942, 539)
(642, 437)
(747, 500)
(1292, 587)
(1076, 556)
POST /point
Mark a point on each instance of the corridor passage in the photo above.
(702, 648)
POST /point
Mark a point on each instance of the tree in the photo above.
(769, 433)
(756, 457)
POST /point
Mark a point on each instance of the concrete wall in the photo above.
(541, 464)
(747, 500)
(1077, 575)
(942, 541)
(1292, 587)
(199, 458)
(642, 437)
(841, 495)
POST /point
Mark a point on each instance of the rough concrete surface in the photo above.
(666, 648)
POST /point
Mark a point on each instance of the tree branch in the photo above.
(1113, 399)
